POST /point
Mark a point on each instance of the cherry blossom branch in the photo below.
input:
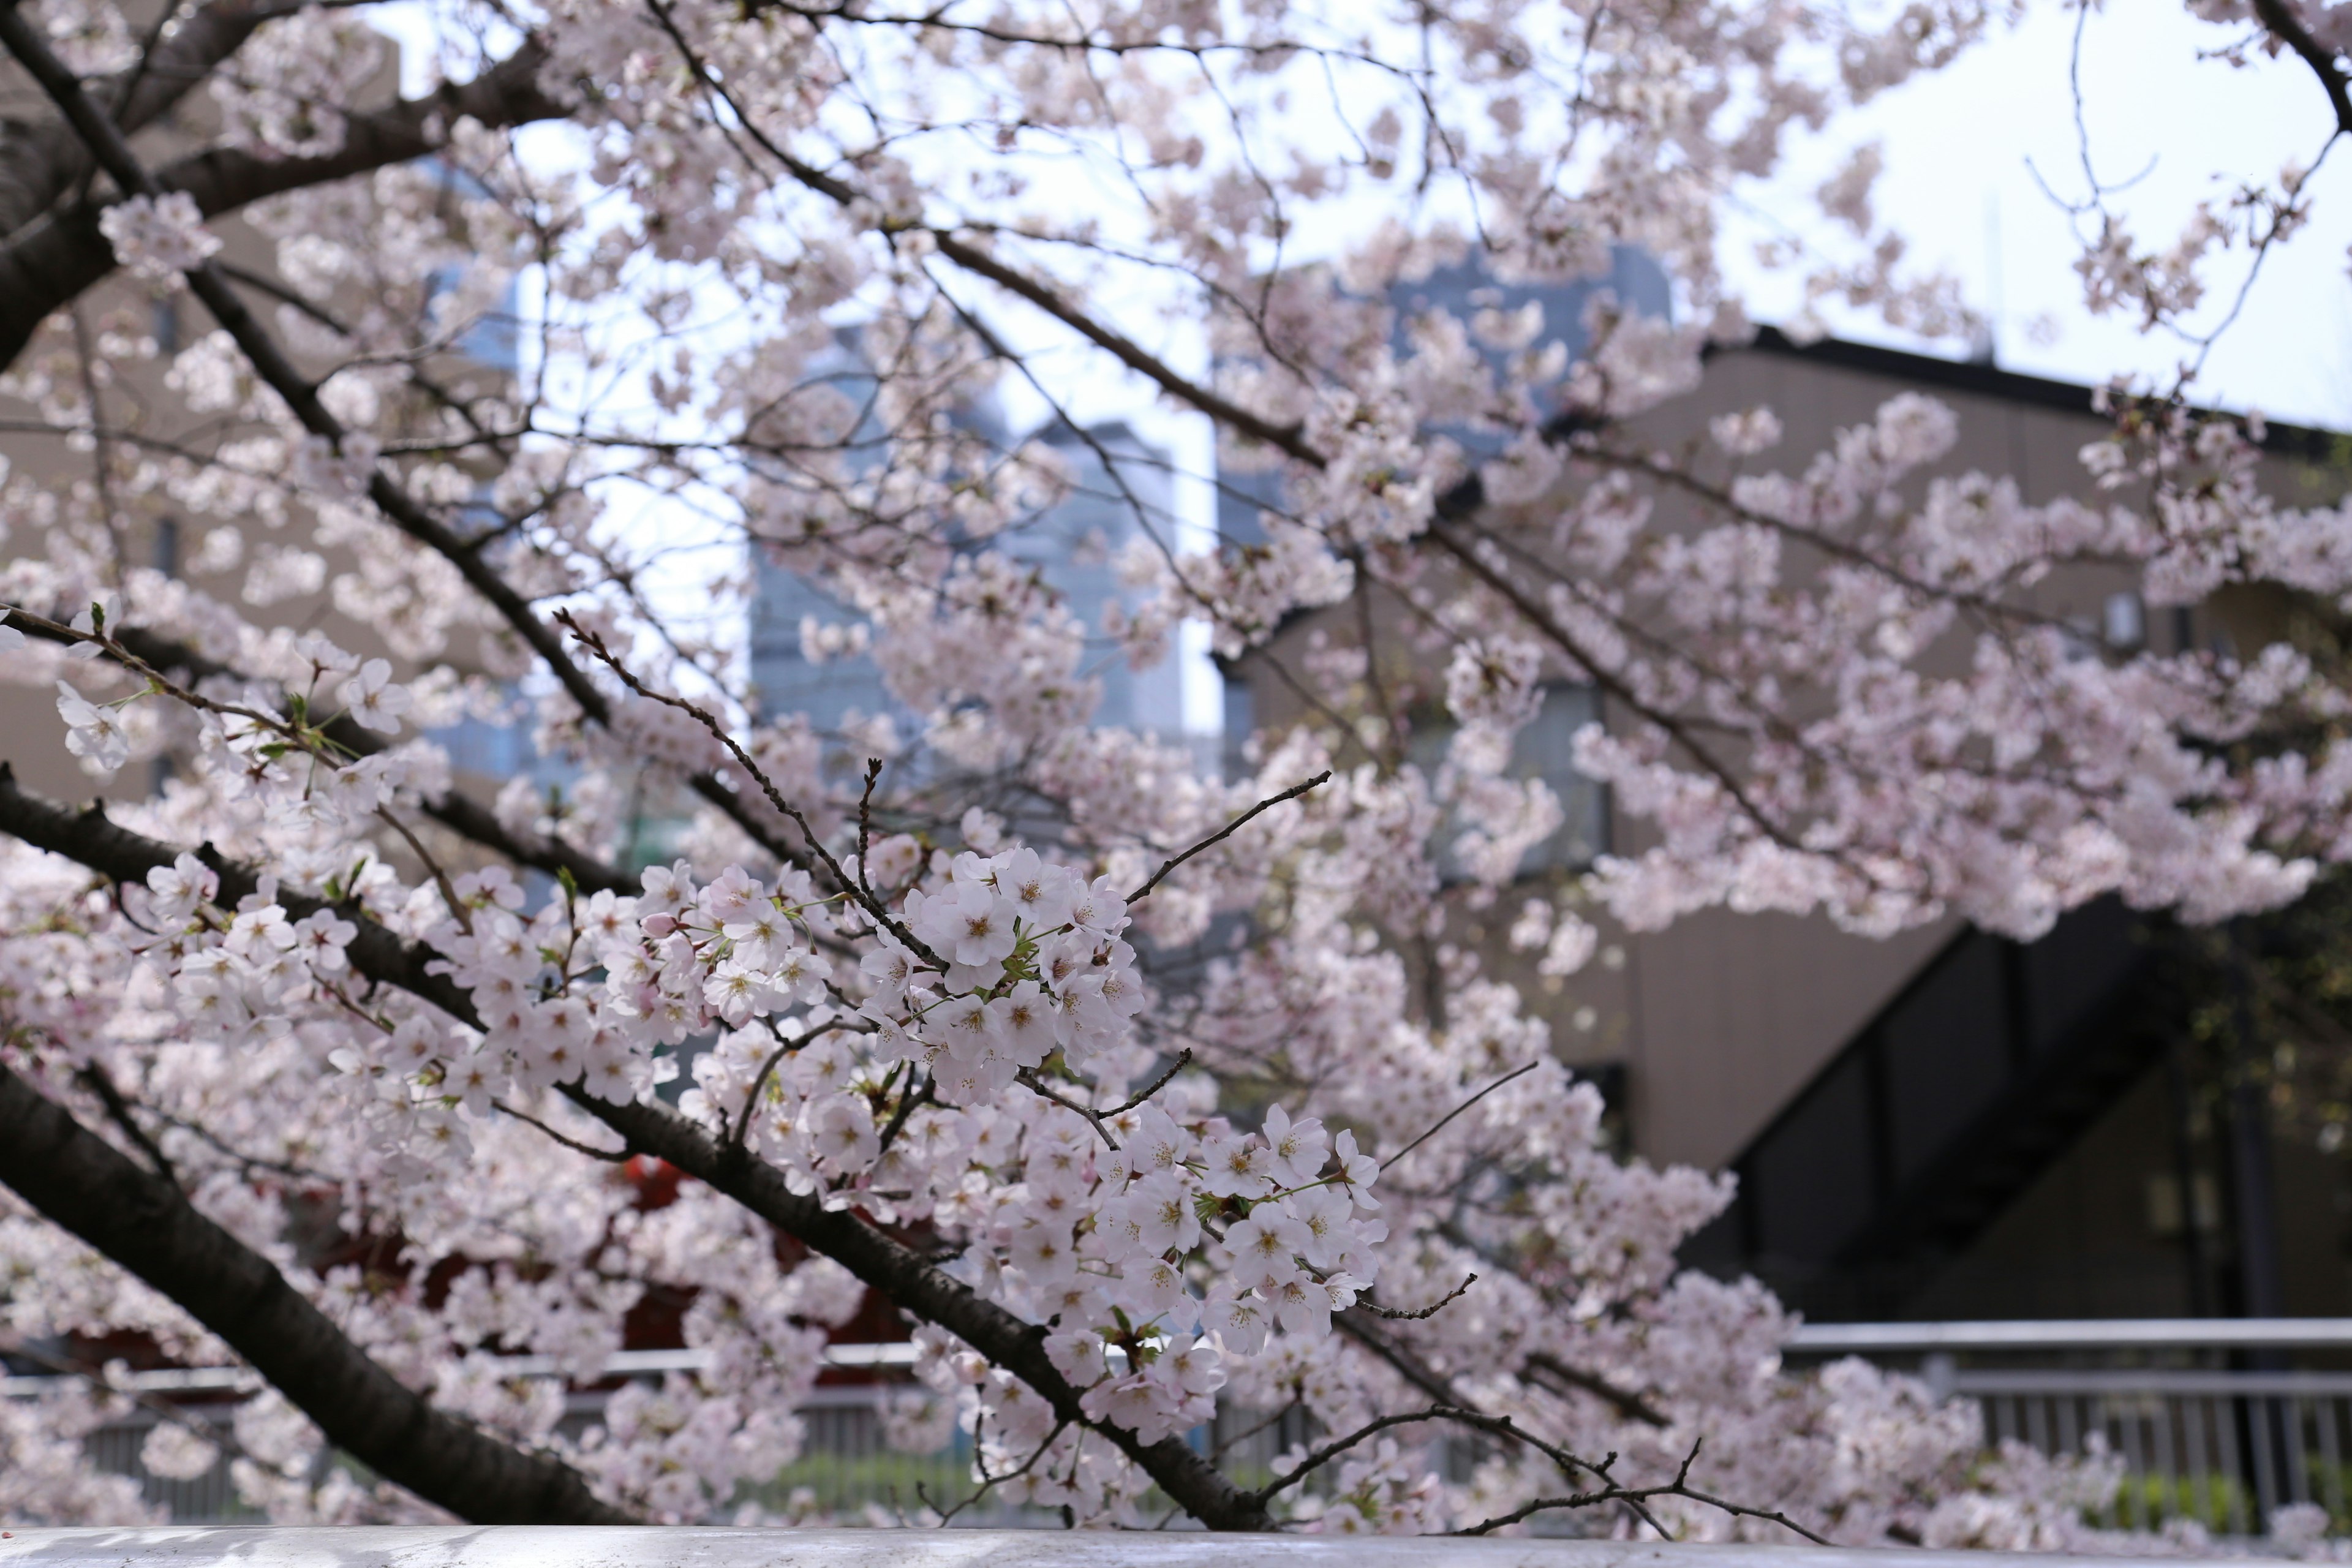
(2278, 18)
(143, 1223)
(222, 1435)
(1227, 831)
(1631, 1404)
(148, 656)
(1514, 1072)
(708, 721)
(1612, 683)
(989, 1482)
(53, 258)
(1403, 1362)
(1028, 1079)
(742, 1127)
(886, 1264)
(1499, 1425)
(1398, 1315)
(1288, 440)
(909, 1098)
(39, 162)
(866, 825)
(620, 1156)
(1635, 1498)
(1167, 1076)
(243, 1161)
(261, 350)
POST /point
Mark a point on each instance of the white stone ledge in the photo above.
(518, 1546)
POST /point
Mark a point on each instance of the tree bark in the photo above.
(49, 261)
(40, 159)
(136, 1217)
(890, 1267)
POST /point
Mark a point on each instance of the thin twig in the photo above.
(909, 1098)
(988, 1483)
(119, 1108)
(621, 1157)
(1038, 1085)
(1220, 1451)
(1457, 1110)
(866, 825)
(458, 910)
(1183, 1059)
(1568, 1462)
(1227, 831)
(1397, 1316)
(1593, 1384)
(220, 1437)
(708, 721)
(743, 1127)
(1634, 1497)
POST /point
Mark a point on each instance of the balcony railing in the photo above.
(2221, 1420)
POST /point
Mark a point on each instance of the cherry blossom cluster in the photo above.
(1185, 1088)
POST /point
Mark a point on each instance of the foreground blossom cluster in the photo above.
(1163, 1106)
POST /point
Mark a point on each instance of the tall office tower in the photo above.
(1119, 490)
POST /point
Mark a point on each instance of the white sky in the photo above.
(1958, 144)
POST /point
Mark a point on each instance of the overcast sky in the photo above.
(1957, 145)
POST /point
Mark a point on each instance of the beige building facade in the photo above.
(1940, 1122)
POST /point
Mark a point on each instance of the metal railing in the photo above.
(845, 1468)
(2220, 1420)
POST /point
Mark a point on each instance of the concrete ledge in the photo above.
(465, 1546)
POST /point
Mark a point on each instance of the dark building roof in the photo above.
(2009, 385)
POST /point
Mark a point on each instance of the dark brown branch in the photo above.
(40, 162)
(905, 1278)
(1635, 1498)
(2278, 18)
(82, 1183)
(121, 855)
(1632, 1405)
(1396, 1315)
(1227, 831)
(890, 1267)
(1439, 1124)
(117, 1110)
(58, 255)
